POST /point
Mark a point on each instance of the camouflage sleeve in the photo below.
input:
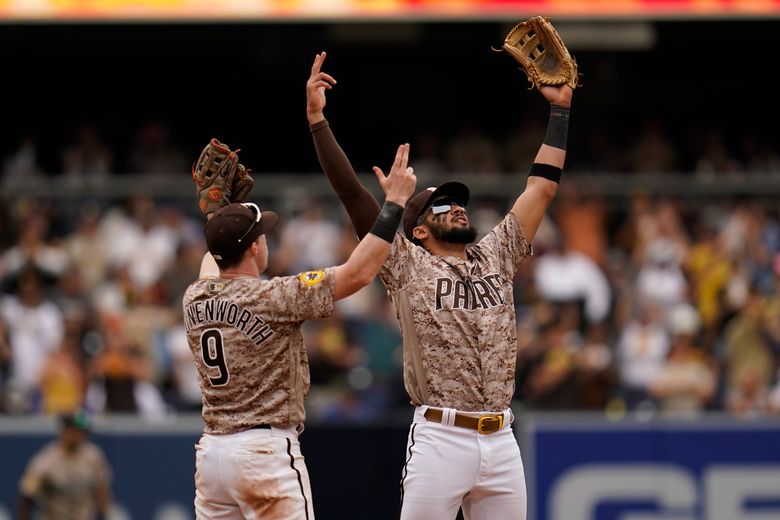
(507, 243)
(306, 296)
(396, 272)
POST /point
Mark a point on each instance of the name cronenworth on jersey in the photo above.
(219, 310)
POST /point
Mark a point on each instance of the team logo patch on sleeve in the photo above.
(311, 278)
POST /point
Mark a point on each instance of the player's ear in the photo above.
(421, 233)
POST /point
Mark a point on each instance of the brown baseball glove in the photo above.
(219, 178)
(537, 47)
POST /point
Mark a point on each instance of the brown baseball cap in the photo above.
(417, 205)
(234, 227)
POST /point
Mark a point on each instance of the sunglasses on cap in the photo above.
(258, 215)
(440, 206)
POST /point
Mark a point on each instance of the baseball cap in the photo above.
(417, 205)
(78, 420)
(233, 228)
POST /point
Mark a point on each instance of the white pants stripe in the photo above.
(255, 474)
(449, 467)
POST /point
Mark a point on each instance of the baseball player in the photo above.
(455, 308)
(69, 479)
(245, 337)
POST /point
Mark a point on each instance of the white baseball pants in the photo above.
(448, 467)
(255, 474)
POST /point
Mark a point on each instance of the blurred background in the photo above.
(648, 381)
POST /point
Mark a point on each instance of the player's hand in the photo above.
(560, 95)
(315, 90)
(400, 183)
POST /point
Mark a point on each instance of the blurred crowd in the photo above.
(650, 146)
(656, 306)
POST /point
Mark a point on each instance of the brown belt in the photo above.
(483, 424)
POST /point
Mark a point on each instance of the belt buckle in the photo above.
(490, 420)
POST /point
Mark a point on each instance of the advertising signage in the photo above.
(721, 470)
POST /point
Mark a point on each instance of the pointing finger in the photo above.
(318, 59)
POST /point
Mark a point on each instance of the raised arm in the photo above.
(530, 207)
(369, 255)
(361, 206)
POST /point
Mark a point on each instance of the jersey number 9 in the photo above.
(214, 355)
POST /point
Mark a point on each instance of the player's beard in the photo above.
(452, 235)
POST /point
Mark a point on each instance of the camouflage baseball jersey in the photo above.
(245, 337)
(457, 319)
(64, 485)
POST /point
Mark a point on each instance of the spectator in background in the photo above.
(63, 383)
(582, 221)
(563, 275)
(709, 270)
(686, 383)
(771, 314)
(760, 156)
(68, 478)
(603, 156)
(714, 159)
(87, 247)
(184, 268)
(642, 350)
(656, 220)
(88, 158)
(522, 143)
(186, 394)
(119, 379)
(35, 327)
(596, 373)
(308, 241)
(471, 151)
(748, 394)
(154, 154)
(748, 358)
(34, 250)
(653, 152)
(149, 244)
(22, 165)
(552, 384)
(660, 279)
(428, 166)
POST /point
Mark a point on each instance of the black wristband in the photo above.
(557, 127)
(319, 125)
(387, 222)
(547, 171)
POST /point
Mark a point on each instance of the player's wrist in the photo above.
(315, 116)
(557, 127)
(399, 200)
(387, 221)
